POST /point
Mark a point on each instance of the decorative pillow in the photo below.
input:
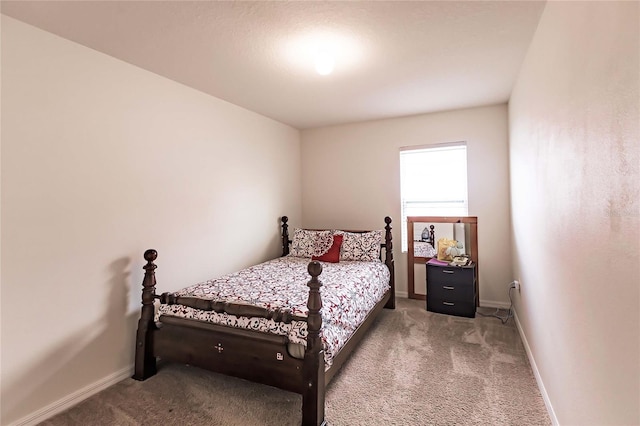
(363, 247)
(323, 242)
(332, 254)
(307, 243)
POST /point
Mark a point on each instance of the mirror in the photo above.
(423, 233)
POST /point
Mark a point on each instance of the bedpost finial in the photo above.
(285, 219)
(314, 268)
(150, 255)
(387, 220)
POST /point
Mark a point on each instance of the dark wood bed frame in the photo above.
(248, 354)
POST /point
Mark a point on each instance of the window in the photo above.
(433, 182)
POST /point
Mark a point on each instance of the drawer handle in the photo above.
(446, 287)
(448, 303)
(446, 271)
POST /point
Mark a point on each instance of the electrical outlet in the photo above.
(516, 285)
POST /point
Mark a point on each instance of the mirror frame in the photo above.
(412, 260)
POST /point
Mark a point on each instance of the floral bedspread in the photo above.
(349, 291)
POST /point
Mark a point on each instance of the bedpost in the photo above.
(388, 241)
(145, 362)
(313, 369)
(285, 236)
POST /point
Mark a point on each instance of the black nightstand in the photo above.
(452, 290)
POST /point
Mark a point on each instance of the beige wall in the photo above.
(351, 179)
(575, 159)
(100, 161)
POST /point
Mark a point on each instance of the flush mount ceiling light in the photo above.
(325, 51)
(324, 62)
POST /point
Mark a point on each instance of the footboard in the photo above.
(255, 356)
(252, 355)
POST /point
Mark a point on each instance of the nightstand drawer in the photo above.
(450, 275)
(463, 309)
(451, 291)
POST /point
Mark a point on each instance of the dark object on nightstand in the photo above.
(452, 290)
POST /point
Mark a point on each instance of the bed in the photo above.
(290, 341)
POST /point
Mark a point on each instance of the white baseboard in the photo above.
(74, 398)
(494, 304)
(404, 294)
(536, 373)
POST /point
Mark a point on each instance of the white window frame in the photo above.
(438, 204)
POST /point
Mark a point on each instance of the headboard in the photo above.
(387, 245)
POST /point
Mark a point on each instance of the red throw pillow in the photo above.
(333, 254)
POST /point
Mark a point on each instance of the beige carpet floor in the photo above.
(413, 368)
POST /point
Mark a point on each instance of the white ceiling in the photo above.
(392, 58)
